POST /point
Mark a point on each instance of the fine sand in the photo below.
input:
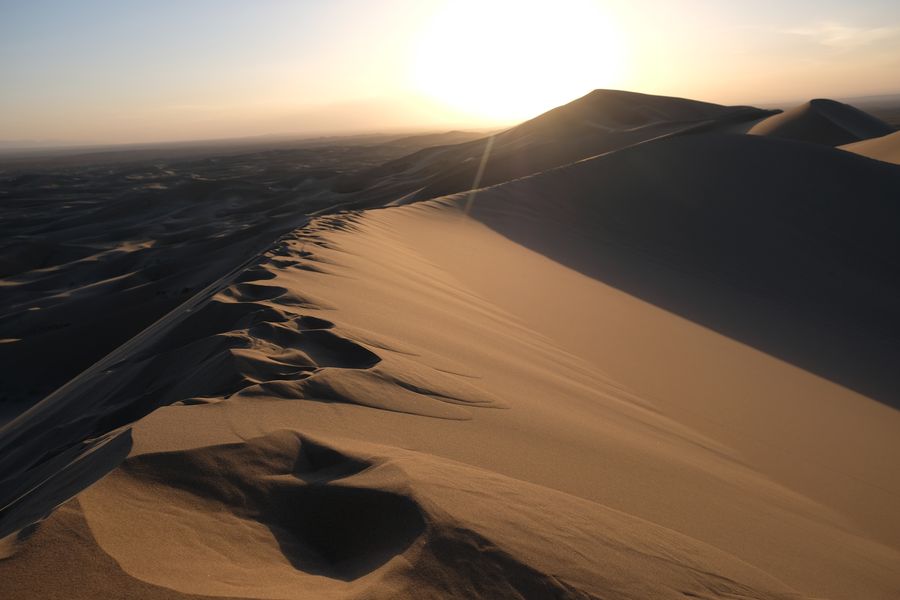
(661, 366)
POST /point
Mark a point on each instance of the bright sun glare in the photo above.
(503, 60)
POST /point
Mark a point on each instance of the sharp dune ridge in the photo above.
(648, 357)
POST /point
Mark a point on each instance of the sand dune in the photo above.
(601, 121)
(823, 122)
(624, 377)
(885, 148)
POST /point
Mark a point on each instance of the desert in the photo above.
(637, 346)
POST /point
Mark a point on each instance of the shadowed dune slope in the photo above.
(601, 121)
(885, 148)
(825, 122)
(792, 249)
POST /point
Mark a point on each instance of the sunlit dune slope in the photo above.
(885, 148)
(823, 122)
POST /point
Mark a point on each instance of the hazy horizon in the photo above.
(104, 73)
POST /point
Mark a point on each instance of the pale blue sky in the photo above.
(128, 71)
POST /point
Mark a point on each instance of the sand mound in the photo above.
(93, 255)
(885, 148)
(823, 122)
(283, 516)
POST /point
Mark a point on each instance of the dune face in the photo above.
(824, 122)
(798, 259)
(885, 148)
(661, 372)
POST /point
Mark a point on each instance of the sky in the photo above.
(103, 71)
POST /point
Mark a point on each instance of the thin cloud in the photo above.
(838, 36)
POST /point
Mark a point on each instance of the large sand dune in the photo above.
(661, 372)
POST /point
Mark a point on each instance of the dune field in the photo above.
(637, 347)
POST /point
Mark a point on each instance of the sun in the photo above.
(505, 60)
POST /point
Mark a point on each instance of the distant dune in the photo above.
(885, 148)
(823, 122)
(645, 358)
(600, 122)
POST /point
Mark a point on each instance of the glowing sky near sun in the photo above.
(111, 71)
